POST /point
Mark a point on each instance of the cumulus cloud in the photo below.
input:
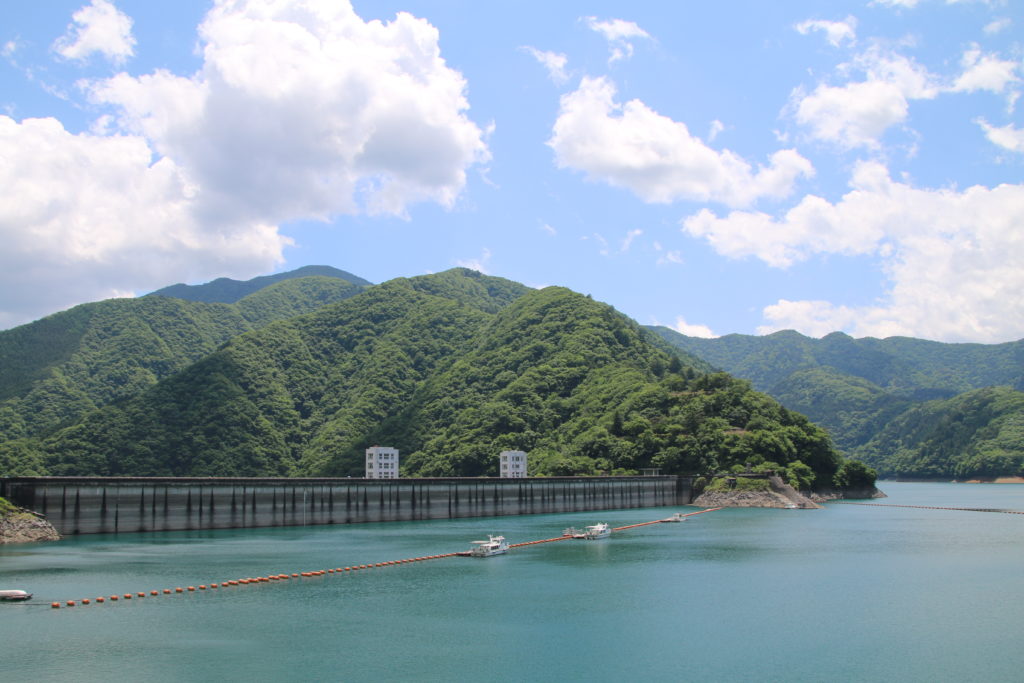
(631, 146)
(620, 35)
(836, 32)
(98, 27)
(301, 110)
(315, 112)
(553, 62)
(984, 72)
(93, 217)
(1008, 137)
(952, 258)
(690, 330)
(858, 113)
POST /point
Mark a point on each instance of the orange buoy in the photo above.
(70, 603)
(191, 588)
(85, 601)
(113, 598)
(99, 599)
(142, 594)
(55, 605)
(127, 596)
(179, 590)
(202, 586)
(166, 591)
(213, 585)
(154, 593)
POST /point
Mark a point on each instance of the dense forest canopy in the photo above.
(909, 407)
(450, 368)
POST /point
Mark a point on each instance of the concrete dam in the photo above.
(95, 505)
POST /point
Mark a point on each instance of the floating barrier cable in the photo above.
(231, 583)
(930, 507)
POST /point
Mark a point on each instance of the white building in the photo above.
(513, 464)
(381, 462)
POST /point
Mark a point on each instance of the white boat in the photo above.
(596, 531)
(14, 595)
(494, 545)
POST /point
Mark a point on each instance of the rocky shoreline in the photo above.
(25, 527)
(774, 499)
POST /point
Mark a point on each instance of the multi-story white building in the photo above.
(513, 464)
(381, 462)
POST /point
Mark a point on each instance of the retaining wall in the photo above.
(89, 505)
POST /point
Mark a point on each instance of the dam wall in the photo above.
(94, 505)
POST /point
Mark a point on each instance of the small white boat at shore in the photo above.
(494, 545)
(14, 595)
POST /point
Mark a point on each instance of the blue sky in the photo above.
(713, 167)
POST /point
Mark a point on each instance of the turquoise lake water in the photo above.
(847, 593)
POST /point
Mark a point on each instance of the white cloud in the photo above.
(477, 264)
(715, 128)
(620, 35)
(300, 110)
(952, 258)
(548, 229)
(353, 115)
(87, 217)
(683, 327)
(896, 3)
(601, 241)
(984, 72)
(631, 146)
(627, 241)
(858, 113)
(673, 256)
(98, 27)
(998, 25)
(554, 62)
(836, 32)
(1007, 137)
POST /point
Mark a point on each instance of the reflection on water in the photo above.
(843, 593)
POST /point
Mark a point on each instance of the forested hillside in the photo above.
(450, 368)
(980, 433)
(868, 393)
(57, 369)
(227, 291)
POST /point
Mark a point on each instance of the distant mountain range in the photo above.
(299, 377)
(297, 372)
(908, 407)
(227, 291)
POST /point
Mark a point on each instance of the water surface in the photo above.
(847, 593)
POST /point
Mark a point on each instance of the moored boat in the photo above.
(596, 531)
(14, 595)
(494, 545)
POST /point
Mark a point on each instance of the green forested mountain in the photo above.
(227, 291)
(979, 433)
(57, 369)
(450, 368)
(859, 388)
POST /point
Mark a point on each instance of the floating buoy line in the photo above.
(277, 578)
(928, 507)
